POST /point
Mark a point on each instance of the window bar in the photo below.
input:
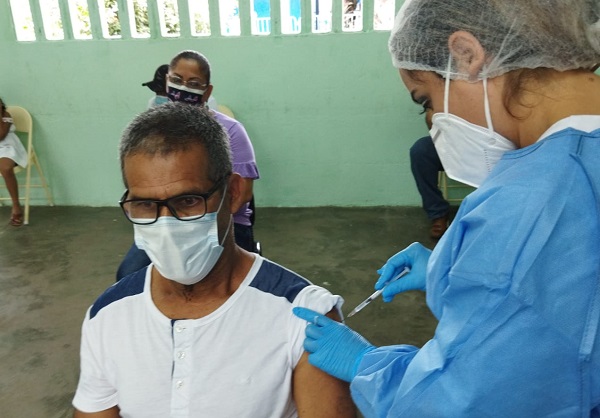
(185, 22)
(123, 15)
(368, 14)
(306, 16)
(276, 17)
(336, 16)
(38, 22)
(153, 19)
(7, 26)
(65, 17)
(95, 24)
(245, 16)
(214, 18)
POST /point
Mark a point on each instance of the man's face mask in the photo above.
(183, 251)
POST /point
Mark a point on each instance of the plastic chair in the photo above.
(225, 110)
(446, 184)
(23, 123)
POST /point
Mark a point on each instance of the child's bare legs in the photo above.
(7, 170)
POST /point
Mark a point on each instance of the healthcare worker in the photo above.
(515, 281)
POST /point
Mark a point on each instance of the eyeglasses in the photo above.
(185, 207)
(193, 84)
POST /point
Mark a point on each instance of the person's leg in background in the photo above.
(244, 236)
(7, 167)
(425, 165)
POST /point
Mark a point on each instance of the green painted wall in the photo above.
(328, 115)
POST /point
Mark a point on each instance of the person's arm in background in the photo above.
(319, 395)
(4, 125)
(107, 413)
(244, 161)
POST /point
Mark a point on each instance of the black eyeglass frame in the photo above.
(165, 202)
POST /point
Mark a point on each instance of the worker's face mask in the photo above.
(467, 151)
(182, 251)
(181, 93)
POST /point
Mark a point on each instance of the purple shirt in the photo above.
(244, 162)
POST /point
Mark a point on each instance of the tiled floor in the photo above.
(54, 268)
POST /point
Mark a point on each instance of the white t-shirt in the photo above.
(236, 362)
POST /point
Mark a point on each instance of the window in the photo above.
(80, 19)
(230, 17)
(352, 15)
(138, 18)
(321, 16)
(261, 17)
(22, 19)
(53, 27)
(169, 18)
(291, 18)
(345, 14)
(199, 16)
(383, 18)
(109, 18)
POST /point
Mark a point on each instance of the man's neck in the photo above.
(178, 301)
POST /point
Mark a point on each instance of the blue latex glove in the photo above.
(332, 346)
(415, 257)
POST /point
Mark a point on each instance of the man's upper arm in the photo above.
(107, 413)
(319, 395)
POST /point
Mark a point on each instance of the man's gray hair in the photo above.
(174, 127)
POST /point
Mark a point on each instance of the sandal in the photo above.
(16, 219)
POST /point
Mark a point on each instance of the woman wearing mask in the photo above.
(515, 281)
(188, 81)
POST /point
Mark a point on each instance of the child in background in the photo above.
(12, 153)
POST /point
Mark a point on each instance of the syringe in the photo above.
(377, 293)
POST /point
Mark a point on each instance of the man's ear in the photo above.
(235, 192)
(467, 52)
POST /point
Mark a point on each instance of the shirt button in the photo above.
(179, 328)
(179, 384)
(181, 355)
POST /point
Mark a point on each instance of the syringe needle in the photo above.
(376, 294)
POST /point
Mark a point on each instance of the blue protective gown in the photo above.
(515, 285)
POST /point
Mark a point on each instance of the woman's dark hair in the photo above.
(200, 59)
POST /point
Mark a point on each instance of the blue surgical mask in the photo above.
(182, 251)
(180, 93)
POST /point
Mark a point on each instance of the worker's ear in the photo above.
(235, 192)
(467, 52)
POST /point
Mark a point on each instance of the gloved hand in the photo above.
(415, 257)
(332, 346)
